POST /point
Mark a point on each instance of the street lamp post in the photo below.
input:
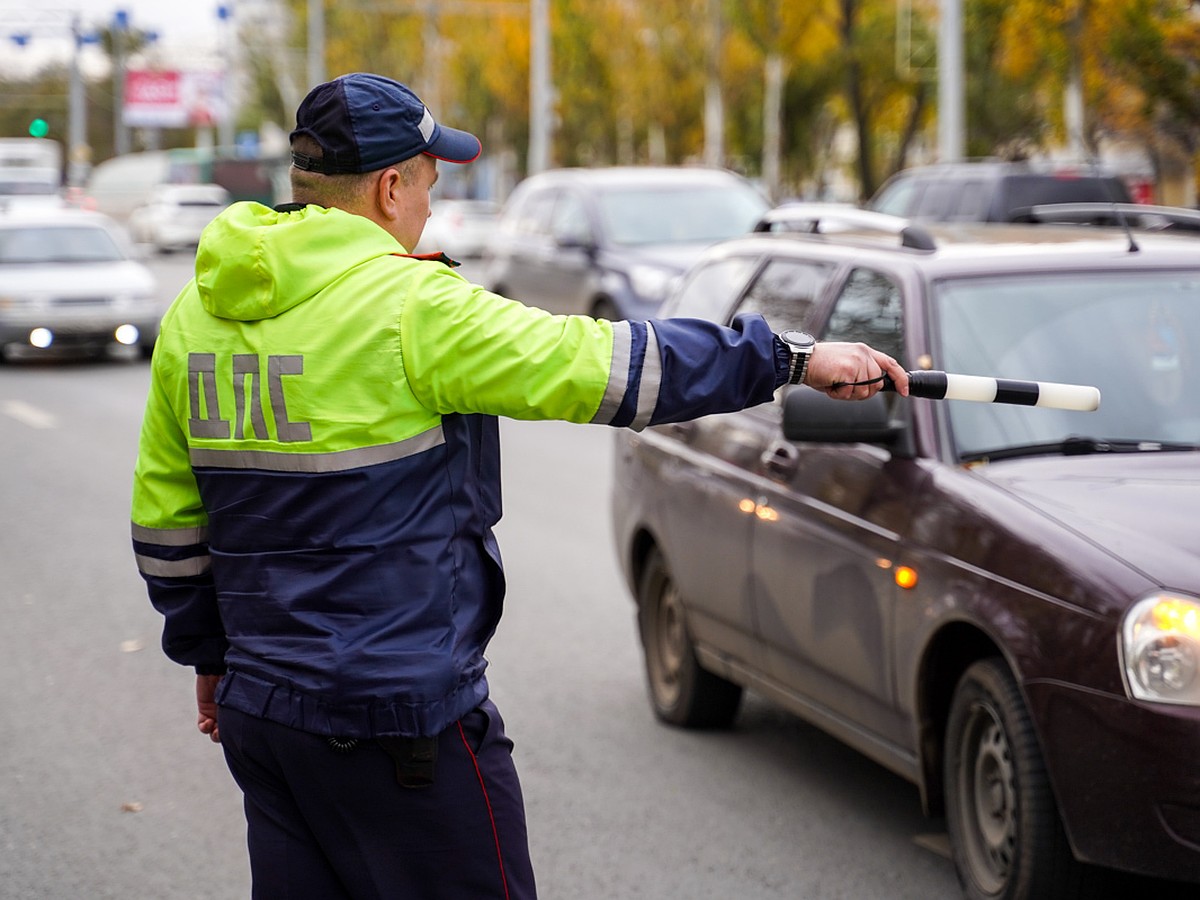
(225, 111)
(78, 152)
(951, 92)
(120, 133)
(540, 99)
(316, 43)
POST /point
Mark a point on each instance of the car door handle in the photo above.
(781, 459)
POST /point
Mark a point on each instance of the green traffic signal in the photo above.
(39, 128)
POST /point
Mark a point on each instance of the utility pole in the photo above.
(120, 132)
(78, 152)
(225, 112)
(431, 37)
(316, 43)
(714, 108)
(951, 94)
(541, 110)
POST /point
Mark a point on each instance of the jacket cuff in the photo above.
(783, 362)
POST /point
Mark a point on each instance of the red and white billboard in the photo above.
(173, 99)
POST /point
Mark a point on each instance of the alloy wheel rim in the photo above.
(989, 796)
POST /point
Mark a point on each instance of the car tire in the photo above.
(681, 691)
(1006, 837)
(603, 308)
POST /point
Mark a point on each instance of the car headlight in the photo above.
(650, 282)
(1160, 649)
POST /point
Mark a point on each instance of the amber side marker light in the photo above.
(906, 577)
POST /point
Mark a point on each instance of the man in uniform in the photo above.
(317, 482)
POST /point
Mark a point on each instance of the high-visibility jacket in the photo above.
(318, 473)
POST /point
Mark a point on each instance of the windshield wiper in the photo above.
(1077, 445)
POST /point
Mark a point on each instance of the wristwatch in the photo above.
(800, 344)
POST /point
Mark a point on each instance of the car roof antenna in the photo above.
(1133, 247)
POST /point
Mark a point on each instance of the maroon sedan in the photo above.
(998, 602)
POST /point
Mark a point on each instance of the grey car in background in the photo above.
(610, 242)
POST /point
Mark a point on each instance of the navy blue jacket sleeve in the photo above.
(682, 369)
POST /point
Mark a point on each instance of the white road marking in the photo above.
(28, 415)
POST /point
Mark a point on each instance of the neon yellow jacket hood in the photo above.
(255, 263)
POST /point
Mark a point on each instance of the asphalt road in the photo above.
(107, 790)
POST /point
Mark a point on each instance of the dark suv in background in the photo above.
(1000, 603)
(991, 191)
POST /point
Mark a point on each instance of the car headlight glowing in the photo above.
(127, 334)
(1160, 648)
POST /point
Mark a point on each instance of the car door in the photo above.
(698, 469)
(524, 248)
(716, 458)
(826, 541)
(568, 268)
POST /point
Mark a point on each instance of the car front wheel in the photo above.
(681, 692)
(1007, 840)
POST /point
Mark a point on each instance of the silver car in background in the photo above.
(68, 280)
(173, 216)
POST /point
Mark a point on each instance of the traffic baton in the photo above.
(934, 385)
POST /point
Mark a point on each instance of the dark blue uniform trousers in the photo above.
(337, 825)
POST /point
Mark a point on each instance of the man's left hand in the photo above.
(206, 706)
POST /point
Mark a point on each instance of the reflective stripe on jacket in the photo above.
(318, 473)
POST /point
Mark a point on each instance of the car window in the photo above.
(897, 198)
(78, 243)
(785, 291)
(532, 214)
(1135, 336)
(937, 200)
(678, 215)
(569, 221)
(1023, 191)
(868, 309)
(710, 290)
(969, 206)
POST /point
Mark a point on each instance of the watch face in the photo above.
(801, 339)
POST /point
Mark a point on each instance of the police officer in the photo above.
(317, 481)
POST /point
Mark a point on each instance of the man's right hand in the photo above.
(847, 371)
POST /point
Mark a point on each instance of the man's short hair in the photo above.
(343, 190)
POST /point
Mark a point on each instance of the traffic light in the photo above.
(39, 128)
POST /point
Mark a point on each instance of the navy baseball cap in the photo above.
(365, 122)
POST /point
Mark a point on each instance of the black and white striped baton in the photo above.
(982, 389)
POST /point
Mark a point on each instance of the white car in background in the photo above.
(173, 215)
(459, 228)
(69, 280)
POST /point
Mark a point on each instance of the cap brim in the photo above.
(455, 146)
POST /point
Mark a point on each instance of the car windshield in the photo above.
(1135, 336)
(679, 215)
(69, 244)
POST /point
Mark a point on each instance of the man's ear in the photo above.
(387, 188)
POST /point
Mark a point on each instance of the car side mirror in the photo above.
(574, 241)
(809, 415)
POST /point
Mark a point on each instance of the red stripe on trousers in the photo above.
(486, 800)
